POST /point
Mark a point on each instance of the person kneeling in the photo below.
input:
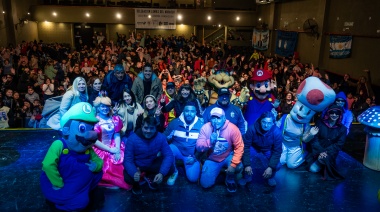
(141, 153)
(223, 142)
(266, 138)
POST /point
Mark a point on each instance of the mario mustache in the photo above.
(258, 92)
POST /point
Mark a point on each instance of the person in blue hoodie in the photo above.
(348, 117)
(141, 157)
(146, 83)
(115, 82)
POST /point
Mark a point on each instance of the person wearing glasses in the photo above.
(327, 143)
(223, 143)
(183, 133)
(266, 138)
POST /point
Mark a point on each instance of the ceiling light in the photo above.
(88, 14)
(179, 17)
(209, 18)
(237, 18)
(54, 13)
(219, 25)
(149, 16)
(118, 15)
(259, 19)
(28, 13)
(3, 12)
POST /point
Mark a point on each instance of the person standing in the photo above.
(115, 82)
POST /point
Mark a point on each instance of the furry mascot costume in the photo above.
(313, 96)
(262, 99)
(71, 168)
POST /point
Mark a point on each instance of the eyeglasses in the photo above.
(336, 112)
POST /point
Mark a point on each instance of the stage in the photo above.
(22, 151)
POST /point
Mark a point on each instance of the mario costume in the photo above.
(313, 96)
(262, 100)
(71, 168)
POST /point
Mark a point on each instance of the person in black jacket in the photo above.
(266, 138)
(325, 146)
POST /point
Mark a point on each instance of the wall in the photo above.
(51, 32)
(26, 32)
(3, 27)
(366, 41)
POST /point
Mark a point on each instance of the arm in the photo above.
(248, 138)
(50, 164)
(203, 142)
(66, 102)
(99, 162)
(276, 149)
(129, 161)
(238, 147)
(168, 107)
(242, 123)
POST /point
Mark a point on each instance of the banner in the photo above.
(340, 46)
(260, 39)
(150, 18)
(286, 43)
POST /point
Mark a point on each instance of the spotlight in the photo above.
(238, 18)
(179, 17)
(209, 18)
(54, 14)
(149, 16)
(28, 13)
(88, 14)
(219, 25)
(118, 15)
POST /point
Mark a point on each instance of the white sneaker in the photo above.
(172, 178)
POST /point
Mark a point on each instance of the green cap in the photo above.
(81, 111)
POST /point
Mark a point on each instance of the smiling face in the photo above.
(149, 103)
(147, 73)
(261, 89)
(218, 122)
(127, 98)
(185, 93)
(97, 85)
(81, 85)
(301, 114)
(103, 109)
(334, 115)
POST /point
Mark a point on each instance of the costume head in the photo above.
(78, 127)
(313, 96)
(221, 79)
(261, 84)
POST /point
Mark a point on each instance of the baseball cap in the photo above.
(81, 111)
(216, 111)
(223, 91)
(170, 85)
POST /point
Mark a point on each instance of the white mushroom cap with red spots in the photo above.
(371, 117)
(315, 94)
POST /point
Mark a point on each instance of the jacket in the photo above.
(141, 152)
(229, 140)
(263, 142)
(138, 87)
(123, 113)
(115, 87)
(233, 114)
(184, 136)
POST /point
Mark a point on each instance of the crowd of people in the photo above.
(149, 116)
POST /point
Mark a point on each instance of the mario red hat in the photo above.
(260, 75)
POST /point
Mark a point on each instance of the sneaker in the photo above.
(136, 189)
(272, 182)
(152, 185)
(231, 186)
(172, 178)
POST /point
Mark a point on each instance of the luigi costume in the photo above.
(71, 169)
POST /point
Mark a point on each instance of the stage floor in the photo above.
(22, 151)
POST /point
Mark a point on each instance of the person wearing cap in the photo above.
(115, 82)
(325, 146)
(182, 134)
(261, 99)
(146, 83)
(347, 116)
(141, 160)
(169, 95)
(71, 170)
(223, 143)
(233, 112)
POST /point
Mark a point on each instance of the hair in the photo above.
(118, 68)
(74, 87)
(92, 80)
(192, 96)
(146, 112)
(126, 90)
(103, 100)
(148, 65)
(267, 114)
(150, 120)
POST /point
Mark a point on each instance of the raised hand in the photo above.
(314, 130)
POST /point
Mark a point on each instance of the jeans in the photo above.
(192, 170)
(264, 160)
(211, 170)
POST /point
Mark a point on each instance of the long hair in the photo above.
(122, 102)
(146, 112)
(74, 87)
(192, 96)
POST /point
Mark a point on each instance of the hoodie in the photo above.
(348, 117)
